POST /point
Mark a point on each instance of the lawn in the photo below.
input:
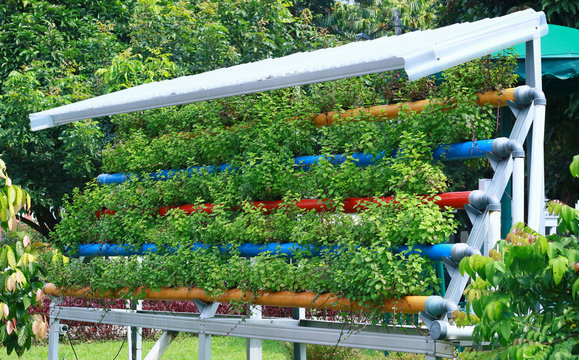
(183, 348)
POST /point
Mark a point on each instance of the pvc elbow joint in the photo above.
(480, 200)
(437, 306)
(503, 147)
(524, 95)
(460, 251)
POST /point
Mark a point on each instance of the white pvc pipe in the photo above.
(494, 231)
(518, 202)
(537, 173)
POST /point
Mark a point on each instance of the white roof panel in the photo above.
(419, 53)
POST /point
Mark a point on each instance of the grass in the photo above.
(184, 347)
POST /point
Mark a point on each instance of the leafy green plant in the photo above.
(527, 293)
(19, 272)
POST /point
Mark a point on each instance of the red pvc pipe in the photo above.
(455, 200)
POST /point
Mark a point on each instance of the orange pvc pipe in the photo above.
(385, 112)
(310, 300)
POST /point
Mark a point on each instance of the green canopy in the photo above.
(560, 54)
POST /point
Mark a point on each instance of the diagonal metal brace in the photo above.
(206, 311)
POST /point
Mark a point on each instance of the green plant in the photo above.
(527, 293)
(19, 272)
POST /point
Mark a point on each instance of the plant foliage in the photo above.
(526, 294)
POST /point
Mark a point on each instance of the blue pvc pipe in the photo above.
(433, 252)
(461, 151)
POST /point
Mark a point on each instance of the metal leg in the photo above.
(54, 332)
(299, 349)
(206, 311)
(134, 338)
(254, 346)
(204, 346)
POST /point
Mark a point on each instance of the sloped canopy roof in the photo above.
(419, 53)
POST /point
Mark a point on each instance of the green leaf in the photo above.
(543, 244)
(574, 167)
(559, 267)
(3, 259)
(494, 310)
(11, 257)
(19, 196)
(567, 214)
(23, 335)
(19, 249)
(505, 330)
(575, 289)
(509, 257)
(26, 301)
(11, 192)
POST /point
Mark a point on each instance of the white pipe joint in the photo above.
(503, 147)
(480, 200)
(441, 330)
(437, 306)
(460, 251)
(525, 94)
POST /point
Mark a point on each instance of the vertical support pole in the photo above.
(494, 231)
(254, 346)
(397, 22)
(134, 338)
(299, 349)
(533, 73)
(54, 331)
(206, 311)
(204, 346)
(518, 202)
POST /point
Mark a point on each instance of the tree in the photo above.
(527, 293)
(49, 51)
(57, 52)
(560, 12)
(18, 274)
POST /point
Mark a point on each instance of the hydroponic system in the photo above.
(247, 237)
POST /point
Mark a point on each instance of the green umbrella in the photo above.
(559, 53)
(560, 60)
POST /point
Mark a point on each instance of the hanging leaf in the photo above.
(23, 335)
(18, 200)
(11, 257)
(574, 167)
(3, 259)
(26, 301)
(11, 192)
(559, 267)
(19, 249)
